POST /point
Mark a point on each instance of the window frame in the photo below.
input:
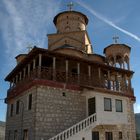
(30, 100)
(17, 106)
(105, 99)
(11, 109)
(118, 100)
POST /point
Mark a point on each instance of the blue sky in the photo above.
(26, 22)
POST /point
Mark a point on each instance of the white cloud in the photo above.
(26, 22)
(137, 108)
(108, 21)
(29, 19)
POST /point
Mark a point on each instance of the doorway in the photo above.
(91, 106)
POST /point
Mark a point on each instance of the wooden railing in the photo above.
(71, 78)
(75, 129)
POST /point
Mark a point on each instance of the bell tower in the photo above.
(71, 32)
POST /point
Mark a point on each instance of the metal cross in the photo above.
(115, 38)
(70, 5)
(29, 48)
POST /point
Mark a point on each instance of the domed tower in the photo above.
(118, 55)
(71, 32)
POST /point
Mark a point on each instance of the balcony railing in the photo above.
(61, 76)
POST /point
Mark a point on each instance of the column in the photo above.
(108, 75)
(123, 63)
(89, 74)
(99, 75)
(28, 69)
(20, 76)
(78, 72)
(67, 66)
(24, 72)
(39, 65)
(128, 66)
(34, 63)
(54, 68)
(16, 79)
(117, 82)
(114, 61)
(40, 60)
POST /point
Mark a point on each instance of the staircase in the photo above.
(75, 129)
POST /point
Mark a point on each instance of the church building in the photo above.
(69, 92)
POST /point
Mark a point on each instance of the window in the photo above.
(11, 110)
(30, 102)
(119, 107)
(95, 135)
(108, 136)
(120, 135)
(107, 104)
(15, 135)
(25, 134)
(17, 107)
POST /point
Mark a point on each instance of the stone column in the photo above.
(67, 67)
(54, 68)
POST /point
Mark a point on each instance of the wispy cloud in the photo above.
(26, 22)
(102, 18)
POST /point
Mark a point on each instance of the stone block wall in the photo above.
(57, 110)
(25, 119)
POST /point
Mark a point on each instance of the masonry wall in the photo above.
(57, 110)
(25, 119)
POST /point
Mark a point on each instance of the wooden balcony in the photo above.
(69, 78)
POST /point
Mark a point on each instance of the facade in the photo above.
(68, 91)
(2, 130)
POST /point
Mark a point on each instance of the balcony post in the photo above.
(28, 69)
(99, 75)
(24, 72)
(16, 79)
(67, 67)
(128, 66)
(78, 72)
(20, 76)
(54, 68)
(34, 64)
(39, 65)
(89, 74)
(108, 77)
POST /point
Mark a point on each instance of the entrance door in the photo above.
(95, 135)
(91, 106)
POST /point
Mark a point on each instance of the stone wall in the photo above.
(25, 119)
(2, 130)
(57, 109)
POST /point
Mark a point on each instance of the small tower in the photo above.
(118, 55)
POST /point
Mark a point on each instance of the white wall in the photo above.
(108, 117)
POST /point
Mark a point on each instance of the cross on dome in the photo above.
(70, 5)
(115, 38)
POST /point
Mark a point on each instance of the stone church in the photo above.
(68, 92)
